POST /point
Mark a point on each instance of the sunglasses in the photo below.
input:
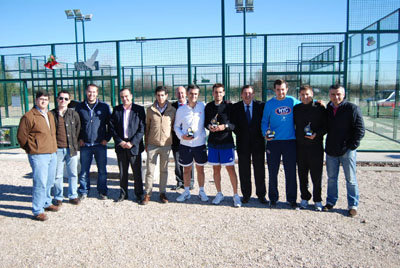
(61, 98)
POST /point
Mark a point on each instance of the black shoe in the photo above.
(262, 200)
(121, 198)
(102, 196)
(178, 186)
(327, 207)
(293, 205)
(245, 200)
(272, 204)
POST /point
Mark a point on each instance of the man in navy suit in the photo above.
(128, 122)
(250, 144)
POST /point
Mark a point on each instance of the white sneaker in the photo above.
(218, 198)
(184, 196)
(203, 196)
(236, 201)
(318, 206)
(303, 204)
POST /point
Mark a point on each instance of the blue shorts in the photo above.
(187, 154)
(224, 157)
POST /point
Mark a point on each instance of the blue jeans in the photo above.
(63, 156)
(348, 161)
(100, 155)
(44, 171)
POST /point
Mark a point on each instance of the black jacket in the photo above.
(345, 129)
(248, 137)
(313, 113)
(72, 124)
(224, 115)
(136, 128)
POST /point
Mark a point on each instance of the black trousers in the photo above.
(310, 160)
(245, 173)
(179, 168)
(124, 159)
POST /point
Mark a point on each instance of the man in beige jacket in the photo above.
(160, 119)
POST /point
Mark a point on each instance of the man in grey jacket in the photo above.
(68, 126)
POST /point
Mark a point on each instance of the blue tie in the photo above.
(248, 116)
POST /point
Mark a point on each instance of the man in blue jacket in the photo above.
(345, 131)
(278, 118)
(93, 137)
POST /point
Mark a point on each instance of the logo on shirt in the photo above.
(284, 110)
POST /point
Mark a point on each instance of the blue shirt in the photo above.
(278, 116)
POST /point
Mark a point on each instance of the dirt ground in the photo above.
(195, 234)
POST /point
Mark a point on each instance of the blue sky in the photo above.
(44, 21)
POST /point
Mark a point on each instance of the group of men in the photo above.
(291, 129)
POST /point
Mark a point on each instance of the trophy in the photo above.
(190, 132)
(214, 121)
(270, 134)
(307, 130)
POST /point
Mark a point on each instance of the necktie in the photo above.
(248, 114)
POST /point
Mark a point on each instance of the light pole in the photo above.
(251, 36)
(77, 15)
(248, 6)
(141, 40)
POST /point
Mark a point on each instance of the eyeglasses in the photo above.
(61, 98)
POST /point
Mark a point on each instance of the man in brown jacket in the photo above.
(160, 119)
(37, 136)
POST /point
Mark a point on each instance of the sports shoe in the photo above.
(318, 206)
(184, 196)
(203, 196)
(82, 196)
(236, 201)
(303, 204)
(218, 198)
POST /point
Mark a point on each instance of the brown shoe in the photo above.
(145, 200)
(163, 198)
(41, 217)
(352, 212)
(52, 208)
(75, 201)
(59, 203)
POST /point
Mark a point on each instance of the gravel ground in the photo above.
(196, 234)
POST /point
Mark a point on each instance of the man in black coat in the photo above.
(180, 93)
(128, 122)
(250, 144)
(345, 131)
(310, 123)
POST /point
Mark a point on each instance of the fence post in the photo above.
(189, 62)
(3, 76)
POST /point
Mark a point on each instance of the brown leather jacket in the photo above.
(34, 135)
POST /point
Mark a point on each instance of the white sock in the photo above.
(201, 189)
(187, 189)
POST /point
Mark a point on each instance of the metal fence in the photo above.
(366, 59)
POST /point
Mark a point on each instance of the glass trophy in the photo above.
(270, 134)
(190, 132)
(214, 121)
(308, 131)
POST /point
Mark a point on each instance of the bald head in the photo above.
(180, 94)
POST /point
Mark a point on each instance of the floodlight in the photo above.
(88, 17)
(250, 3)
(238, 3)
(78, 13)
(69, 13)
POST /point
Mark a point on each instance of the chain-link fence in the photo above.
(366, 59)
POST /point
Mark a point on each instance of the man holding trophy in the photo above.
(221, 149)
(189, 128)
(278, 129)
(311, 126)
